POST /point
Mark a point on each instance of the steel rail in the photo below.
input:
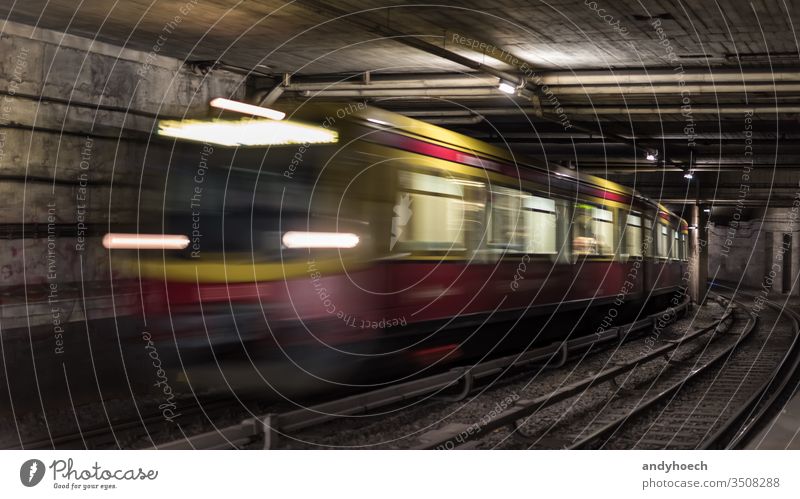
(748, 418)
(610, 428)
(445, 438)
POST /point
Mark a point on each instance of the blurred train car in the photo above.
(401, 247)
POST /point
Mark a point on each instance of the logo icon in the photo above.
(31, 472)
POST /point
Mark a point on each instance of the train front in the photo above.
(254, 259)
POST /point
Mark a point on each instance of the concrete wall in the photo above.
(75, 124)
(753, 251)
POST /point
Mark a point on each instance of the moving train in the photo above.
(400, 248)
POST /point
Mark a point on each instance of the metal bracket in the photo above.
(269, 430)
(537, 105)
(564, 350)
(468, 383)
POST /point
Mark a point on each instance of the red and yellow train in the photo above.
(401, 247)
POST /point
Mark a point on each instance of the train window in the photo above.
(593, 230)
(676, 240)
(540, 216)
(649, 250)
(684, 248)
(429, 214)
(663, 241)
(506, 223)
(633, 236)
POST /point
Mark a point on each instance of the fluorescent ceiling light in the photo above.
(241, 107)
(320, 240)
(688, 175)
(145, 241)
(650, 156)
(247, 132)
(506, 88)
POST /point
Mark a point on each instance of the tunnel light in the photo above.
(506, 87)
(244, 108)
(247, 132)
(706, 210)
(651, 155)
(688, 175)
(145, 241)
(320, 240)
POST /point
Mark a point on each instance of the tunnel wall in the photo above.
(753, 251)
(75, 123)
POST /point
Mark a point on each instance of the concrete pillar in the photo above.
(795, 261)
(698, 252)
(788, 267)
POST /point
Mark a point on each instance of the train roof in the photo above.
(377, 117)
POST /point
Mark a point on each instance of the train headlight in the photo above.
(294, 239)
(145, 241)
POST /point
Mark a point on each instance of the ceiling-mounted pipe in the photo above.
(464, 112)
(709, 136)
(445, 82)
(452, 85)
(647, 89)
(622, 77)
(417, 92)
(615, 110)
(713, 110)
(467, 120)
(268, 98)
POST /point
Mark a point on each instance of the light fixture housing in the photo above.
(244, 108)
(297, 239)
(247, 132)
(506, 87)
(145, 241)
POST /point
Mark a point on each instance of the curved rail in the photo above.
(746, 422)
(664, 394)
(456, 435)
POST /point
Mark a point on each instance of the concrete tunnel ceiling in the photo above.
(712, 89)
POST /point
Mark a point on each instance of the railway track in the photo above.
(715, 402)
(268, 430)
(149, 424)
(710, 391)
(707, 393)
